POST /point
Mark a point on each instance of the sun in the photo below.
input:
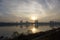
(33, 18)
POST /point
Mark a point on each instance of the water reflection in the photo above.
(8, 30)
(34, 30)
(25, 29)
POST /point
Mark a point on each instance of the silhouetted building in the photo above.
(27, 23)
(36, 23)
(21, 23)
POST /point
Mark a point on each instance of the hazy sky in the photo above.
(15, 10)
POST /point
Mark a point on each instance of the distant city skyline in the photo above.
(29, 10)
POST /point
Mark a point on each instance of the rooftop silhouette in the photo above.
(27, 23)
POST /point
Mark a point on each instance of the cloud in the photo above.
(52, 3)
(23, 8)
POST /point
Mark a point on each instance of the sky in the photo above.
(16, 10)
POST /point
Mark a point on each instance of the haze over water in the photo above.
(8, 30)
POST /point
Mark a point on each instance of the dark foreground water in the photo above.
(8, 30)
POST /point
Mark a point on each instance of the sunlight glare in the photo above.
(33, 18)
(34, 30)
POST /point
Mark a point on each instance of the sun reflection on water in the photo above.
(34, 30)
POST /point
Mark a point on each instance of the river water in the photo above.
(8, 30)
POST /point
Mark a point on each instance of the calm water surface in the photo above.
(8, 30)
